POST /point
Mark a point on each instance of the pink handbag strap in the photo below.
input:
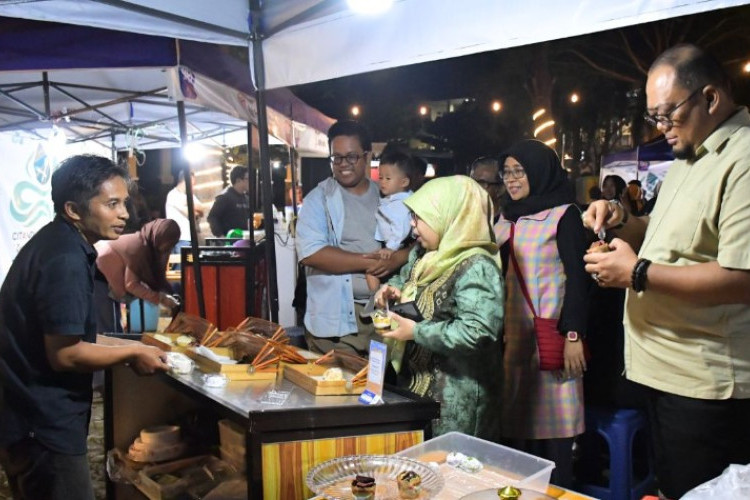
(521, 281)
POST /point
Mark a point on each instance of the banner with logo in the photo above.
(25, 190)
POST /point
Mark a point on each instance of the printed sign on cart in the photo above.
(373, 393)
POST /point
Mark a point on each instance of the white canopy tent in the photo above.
(312, 40)
(300, 41)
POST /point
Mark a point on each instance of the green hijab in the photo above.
(460, 212)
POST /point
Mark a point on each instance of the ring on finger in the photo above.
(595, 276)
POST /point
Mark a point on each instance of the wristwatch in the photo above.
(573, 336)
(625, 214)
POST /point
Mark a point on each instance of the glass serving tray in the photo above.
(333, 479)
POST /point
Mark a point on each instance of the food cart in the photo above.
(287, 430)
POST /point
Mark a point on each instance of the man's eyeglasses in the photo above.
(665, 119)
(351, 158)
(515, 173)
(414, 218)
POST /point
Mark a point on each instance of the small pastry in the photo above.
(463, 462)
(363, 488)
(598, 246)
(409, 484)
(333, 375)
(184, 340)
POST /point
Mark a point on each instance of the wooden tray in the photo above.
(149, 477)
(238, 371)
(309, 378)
(148, 338)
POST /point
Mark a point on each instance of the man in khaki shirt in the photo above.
(687, 317)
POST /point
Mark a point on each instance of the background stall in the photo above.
(66, 89)
(647, 163)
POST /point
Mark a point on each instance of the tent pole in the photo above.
(250, 260)
(45, 90)
(113, 147)
(293, 166)
(191, 216)
(264, 163)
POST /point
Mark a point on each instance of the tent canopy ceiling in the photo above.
(314, 40)
(124, 84)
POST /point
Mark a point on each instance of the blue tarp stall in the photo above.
(648, 163)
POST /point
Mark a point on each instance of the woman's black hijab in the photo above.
(548, 181)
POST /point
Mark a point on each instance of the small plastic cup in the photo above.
(381, 320)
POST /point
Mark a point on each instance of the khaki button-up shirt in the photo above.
(702, 215)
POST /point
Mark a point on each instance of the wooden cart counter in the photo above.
(287, 429)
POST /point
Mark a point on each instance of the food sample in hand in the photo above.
(363, 488)
(409, 484)
(599, 246)
(381, 321)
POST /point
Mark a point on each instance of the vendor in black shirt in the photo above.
(48, 348)
(231, 209)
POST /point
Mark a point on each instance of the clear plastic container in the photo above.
(522, 469)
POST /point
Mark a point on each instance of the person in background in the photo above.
(420, 171)
(137, 209)
(613, 188)
(687, 311)
(393, 219)
(486, 171)
(650, 204)
(453, 274)
(231, 208)
(176, 208)
(595, 193)
(543, 409)
(634, 197)
(48, 341)
(135, 267)
(336, 244)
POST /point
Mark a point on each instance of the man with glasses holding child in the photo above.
(687, 319)
(336, 243)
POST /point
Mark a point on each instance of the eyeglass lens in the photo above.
(515, 173)
(350, 158)
(665, 119)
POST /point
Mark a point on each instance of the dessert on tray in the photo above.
(363, 487)
(409, 484)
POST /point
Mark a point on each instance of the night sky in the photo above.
(387, 97)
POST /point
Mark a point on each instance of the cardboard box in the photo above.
(231, 434)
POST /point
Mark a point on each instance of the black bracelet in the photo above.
(639, 275)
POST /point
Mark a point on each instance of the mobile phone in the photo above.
(408, 310)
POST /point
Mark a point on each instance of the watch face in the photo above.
(572, 336)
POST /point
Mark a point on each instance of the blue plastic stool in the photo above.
(150, 316)
(618, 428)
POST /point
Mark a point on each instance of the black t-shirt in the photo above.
(48, 290)
(231, 210)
